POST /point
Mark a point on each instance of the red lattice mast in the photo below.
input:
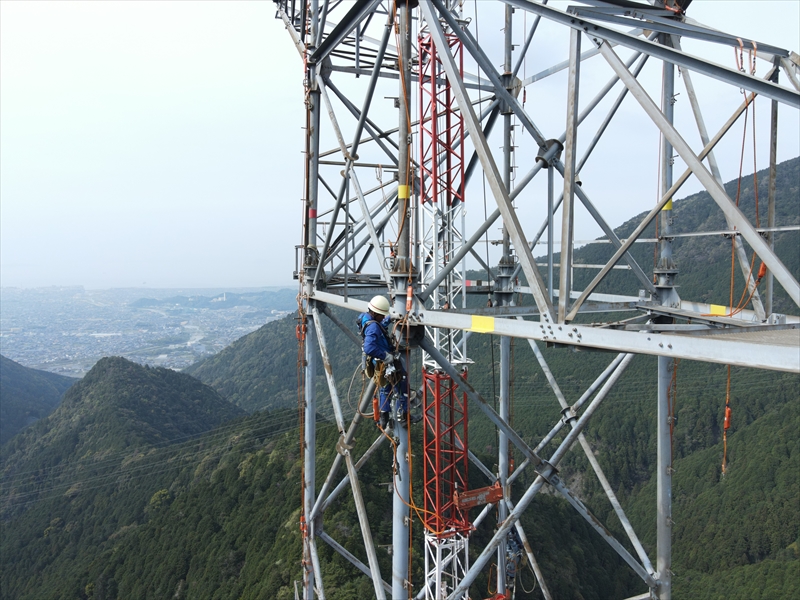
(441, 137)
(441, 157)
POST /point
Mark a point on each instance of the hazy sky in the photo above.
(159, 143)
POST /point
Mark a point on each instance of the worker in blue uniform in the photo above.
(379, 353)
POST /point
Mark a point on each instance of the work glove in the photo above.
(389, 358)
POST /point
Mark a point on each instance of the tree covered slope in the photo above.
(145, 483)
(26, 395)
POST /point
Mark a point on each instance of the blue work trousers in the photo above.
(401, 388)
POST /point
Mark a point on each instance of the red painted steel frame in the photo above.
(446, 459)
(441, 138)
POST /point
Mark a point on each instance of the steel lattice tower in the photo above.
(408, 93)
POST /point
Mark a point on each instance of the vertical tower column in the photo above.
(402, 261)
(310, 262)
(570, 153)
(773, 173)
(310, 451)
(402, 272)
(503, 296)
(665, 273)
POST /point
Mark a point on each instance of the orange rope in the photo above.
(727, 419)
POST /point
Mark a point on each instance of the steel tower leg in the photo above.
(773, 173)
(504, 298)
(310, 558)
(309, 464)
(664, 483)
(400, 513)
(570, 177)
(666, 273)
(402, 271)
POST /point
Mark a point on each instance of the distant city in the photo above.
(66, 330)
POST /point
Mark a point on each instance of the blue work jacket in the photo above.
(375, 343)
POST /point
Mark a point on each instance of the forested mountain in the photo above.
(700, 277)
(26, 395)
(120, 494)
(623, 432)
(76, 477)
(258, 371)
(213, 515)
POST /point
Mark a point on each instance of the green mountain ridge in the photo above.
(89, 468)
(147, 484)
(26, 395)
(120, 405)
(623, 433)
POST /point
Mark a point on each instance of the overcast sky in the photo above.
(159, 144)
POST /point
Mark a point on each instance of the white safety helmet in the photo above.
(379, 305)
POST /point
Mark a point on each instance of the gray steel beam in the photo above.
(401, 274)
(710, 69)
(716, 191)
(363, 521)
(318, 587)
(549, 224)
(773, 174)
(490, 168)
(360, 10)
(741, 255)
(483, 61)
(504, 298)
(350, 558)
(593, 521)
(537, 571)
(664, 481)
(349, 174)
(402, 259)
(601, 477)
(570, 150)
(677, 28)
(323, 500)
(345, 329)
(773, 356)
(667, 272)
(547, 472)
(344, 449)
(310, 451)
(657, 209)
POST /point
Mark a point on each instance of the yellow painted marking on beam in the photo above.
(668, 205)
(482, 324)
(403, 191)
(717, 309)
